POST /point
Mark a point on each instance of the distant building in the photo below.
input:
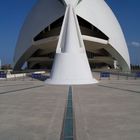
(6, 67)
(103, 38)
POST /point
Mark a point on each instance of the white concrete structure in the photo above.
(71, 64)
(99, 29)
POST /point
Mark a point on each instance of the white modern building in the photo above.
(49, 26)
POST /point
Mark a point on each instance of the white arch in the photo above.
(97, 12)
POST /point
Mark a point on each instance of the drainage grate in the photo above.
(68, 123)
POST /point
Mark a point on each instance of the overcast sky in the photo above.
(13, 13)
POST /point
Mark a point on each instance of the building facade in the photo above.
(102, 35)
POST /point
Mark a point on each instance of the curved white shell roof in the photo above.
(43, 14)
(97, 12)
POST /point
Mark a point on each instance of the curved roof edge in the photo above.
(105, 20)
(41, 15)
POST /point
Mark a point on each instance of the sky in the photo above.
(14, 12)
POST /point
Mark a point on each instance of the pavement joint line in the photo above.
(125, 84)
(14, 85)
(119, 88)
(22, 89)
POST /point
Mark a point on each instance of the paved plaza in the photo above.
(30, 110)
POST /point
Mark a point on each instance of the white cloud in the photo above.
(135, 44)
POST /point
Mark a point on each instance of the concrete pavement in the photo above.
(30, 110)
